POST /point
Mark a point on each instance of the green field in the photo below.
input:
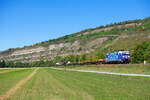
(2, 70)
(51, 84)
(9, 79)
(9, 69)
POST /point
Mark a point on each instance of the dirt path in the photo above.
(17, 86)
(111, 73)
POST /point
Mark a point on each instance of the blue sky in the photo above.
(26, 22)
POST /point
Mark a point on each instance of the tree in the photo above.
(2, 63)
(58, 59)
(10, 64)
(83, 57)
(99, 55)
(139, 52)
(77, 58)
(71, 58)
(147, 54)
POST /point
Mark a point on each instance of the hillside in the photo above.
(124, 35)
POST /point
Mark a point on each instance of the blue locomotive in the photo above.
(118, 57)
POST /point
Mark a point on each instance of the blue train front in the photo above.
(118, 57)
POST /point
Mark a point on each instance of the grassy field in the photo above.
(129, 68)
(9, 79)
(2, 70)
(51, 84)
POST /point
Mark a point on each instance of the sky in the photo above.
(26, 22)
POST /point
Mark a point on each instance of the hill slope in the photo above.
(124, 35)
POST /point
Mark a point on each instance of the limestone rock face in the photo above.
(28, 51)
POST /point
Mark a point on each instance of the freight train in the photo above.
(120, 57)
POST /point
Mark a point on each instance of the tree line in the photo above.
(18, 64)
(140, 53)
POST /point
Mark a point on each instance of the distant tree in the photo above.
(147, 54)
(58, 59)
(83, 57)
(10, 64)
(139, 52)
(71, 58)
(19, 64)
(100, 55)
(77, 58)
(2, 64)
(48, 63)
